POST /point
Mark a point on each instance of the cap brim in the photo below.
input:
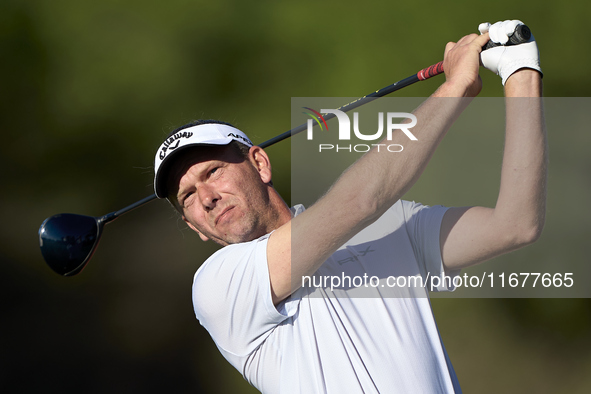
(168, 163)
(208, 134)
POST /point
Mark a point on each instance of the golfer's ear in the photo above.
(203, 237)
(261, 162)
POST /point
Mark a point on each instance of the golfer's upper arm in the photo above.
(471, 235)
(301, 246)
(279, 263)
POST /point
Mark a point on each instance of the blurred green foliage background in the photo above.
(89, 90)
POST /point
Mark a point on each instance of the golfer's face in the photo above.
(222, 195)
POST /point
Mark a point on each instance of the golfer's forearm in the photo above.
(386, 176)
(369, 187)
(522, 196)
(390, 176)
(376, 181)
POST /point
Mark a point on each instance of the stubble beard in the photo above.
(254, 223)
(249, 229)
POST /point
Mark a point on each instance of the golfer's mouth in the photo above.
(224, 214)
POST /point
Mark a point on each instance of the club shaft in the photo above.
(114, 215)
(420, 76)
(521, 35)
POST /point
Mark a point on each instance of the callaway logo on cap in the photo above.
(204, 134)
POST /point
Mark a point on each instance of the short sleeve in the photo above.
(232, 297)
(423, 225)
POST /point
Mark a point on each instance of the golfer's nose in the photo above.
(208, 196)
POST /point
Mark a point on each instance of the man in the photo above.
(288, 337)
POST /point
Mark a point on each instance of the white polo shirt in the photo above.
(350, 338)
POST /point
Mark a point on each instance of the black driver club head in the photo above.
(68, 241)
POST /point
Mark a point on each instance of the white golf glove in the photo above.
(505, 60)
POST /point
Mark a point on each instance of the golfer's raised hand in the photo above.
(506, 60)
(461, 62)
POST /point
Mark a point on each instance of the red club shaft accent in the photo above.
(430, 71)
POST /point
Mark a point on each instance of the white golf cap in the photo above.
(203, 134)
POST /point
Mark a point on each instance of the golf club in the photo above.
(68, 240)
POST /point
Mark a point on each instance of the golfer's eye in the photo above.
(186, 197)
